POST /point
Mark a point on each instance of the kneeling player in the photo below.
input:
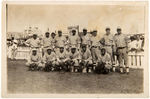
(86, 59)
(49, 60)
(104, 63)
(61, 60)
(75, 60)
(34, 61)
(67, 59)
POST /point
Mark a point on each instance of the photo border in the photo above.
(4, 56)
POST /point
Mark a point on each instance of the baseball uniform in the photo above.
(60, 41)
(121, 45)
(94, 48)
(105, 59)
(75, 57)
(86, 40)
(36, 59)
(86, 56)
(46, 42)
(53, 43)
(74, 41)
(50, 58)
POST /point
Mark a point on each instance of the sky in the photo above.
(58, 17)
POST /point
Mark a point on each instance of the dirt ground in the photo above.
(22, 81)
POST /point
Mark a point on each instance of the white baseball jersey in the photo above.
(120, 40)
(86, 55)
(94, 41)
(60, 41)
(85, 40)
(35, 58)
(108, 39)
(46, 42)
(74, 40)
(61, 56)
(53, 42)
(34, 42)
(49, 57)
(75, 56)
(106, 58)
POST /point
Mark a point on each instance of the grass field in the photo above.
(22, 81)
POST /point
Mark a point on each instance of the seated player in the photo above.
(49, 60)
(61, 60)
(104, 63)
(86, 59)
(75, 60)
(34, 61)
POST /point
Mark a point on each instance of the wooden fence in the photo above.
(135, 60)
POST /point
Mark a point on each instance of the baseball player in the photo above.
(94, 46)
(61, 58)
(34, 61)
(75, 60)
(46, 42)
(85, 40)
(13, 48)
(33, 43)
(49, 60)
(53, 41)
(74, 39)
(121, 50)
(60, 40)
(67, 43)
(102, 42)
(103, 62)
(67, 60)
(86, 58)
(109, 44)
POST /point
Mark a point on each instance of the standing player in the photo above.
(46, 42)
(121, 50)
(85, 40)
(60, 40)
(94, 46)
(74, 39)
(34, 43)
(109, 44)
(53, 41)
(13, 48)
(67, 43)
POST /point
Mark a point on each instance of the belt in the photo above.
(46, 46)
(94, 46)
(121, 47)
(108, 45)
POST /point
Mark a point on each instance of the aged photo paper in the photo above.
(75, 49)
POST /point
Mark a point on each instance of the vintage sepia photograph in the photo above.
(75, 49)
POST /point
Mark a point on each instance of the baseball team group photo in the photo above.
(75, 49)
